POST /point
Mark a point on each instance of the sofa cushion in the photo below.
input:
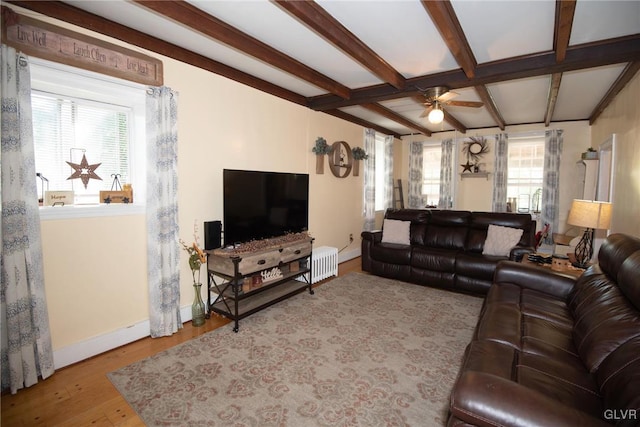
(500, 240)
(604, 317)
(391, 253)
(447, 229)
(395, 231)
(619, 378)
(476, 265)
(480, 222)
(434, 259)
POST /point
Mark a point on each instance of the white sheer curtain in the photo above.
(163, 250)
(26, 352)
(445, 201)
(369, 196)
(416, 153)
(551, 181)
(388, 171)
(501, 161)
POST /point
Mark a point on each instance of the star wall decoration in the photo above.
(467, 167)
(84, 171)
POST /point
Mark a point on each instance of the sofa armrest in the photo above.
(483, 399)
(533, 277)
(369, 239)
(518, 252)
(372, 236)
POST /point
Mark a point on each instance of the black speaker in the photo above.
(212, 234)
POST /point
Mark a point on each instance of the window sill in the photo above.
(48, 213)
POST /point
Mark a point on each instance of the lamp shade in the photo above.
(436, 115)
(590, 214)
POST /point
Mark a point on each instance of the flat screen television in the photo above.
(259, 205)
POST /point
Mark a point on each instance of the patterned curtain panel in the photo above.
(369, 202)
(446, 175)
(416, 200)
(26, 340)
(388, 172)
(501, 160)
(551, 181)
(163, 250)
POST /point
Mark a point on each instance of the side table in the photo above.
(571, 271)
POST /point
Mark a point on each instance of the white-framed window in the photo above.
(525, 172)
(79, 113)
(380, 160)
(431, 165)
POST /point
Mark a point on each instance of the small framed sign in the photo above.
(58, 198)
(116, 196)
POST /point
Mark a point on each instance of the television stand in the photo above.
(258, 274)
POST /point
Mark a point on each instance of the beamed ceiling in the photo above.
(368, 61)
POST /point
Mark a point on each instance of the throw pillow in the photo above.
(396, 231)
(501, 239)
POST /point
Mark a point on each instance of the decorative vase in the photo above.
(197, 308)
(356, 167)
(319, 163)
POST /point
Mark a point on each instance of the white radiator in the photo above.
(324, 264)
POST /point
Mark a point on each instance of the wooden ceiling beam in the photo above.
(590, 55)
(627, 74)
(565, 10)
(200, 21)
(319, 20)
(361, 122)
(391, 115)
(445, 19)
(554, 88)
(457, 125)
(490, 105)
(81, 18)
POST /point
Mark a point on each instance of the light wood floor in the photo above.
(81, 394)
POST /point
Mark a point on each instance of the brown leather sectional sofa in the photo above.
(548, 350)
(551, 351)
(446, 248)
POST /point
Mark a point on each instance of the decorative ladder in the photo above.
(398, 200)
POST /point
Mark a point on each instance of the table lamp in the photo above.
(592, 215)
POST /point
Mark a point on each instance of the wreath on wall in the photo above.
(475, 148)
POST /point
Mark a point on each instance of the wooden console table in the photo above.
(250, 281)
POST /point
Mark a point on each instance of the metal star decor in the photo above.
(467, 167)
(84, 171)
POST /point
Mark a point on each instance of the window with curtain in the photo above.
(526, 167)
(76, 113)
(65, 129)
(431, 165)
(381, 159)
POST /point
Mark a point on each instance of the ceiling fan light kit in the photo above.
(435, 98)
(436, 116)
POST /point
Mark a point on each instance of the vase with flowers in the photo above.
(196, 259)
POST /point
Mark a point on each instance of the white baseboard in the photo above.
(93, 346)
(346, 256)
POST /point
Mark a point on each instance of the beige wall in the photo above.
(622, 117)
(95, 268)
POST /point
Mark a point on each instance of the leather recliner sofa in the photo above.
(552, 351)
(445, 248)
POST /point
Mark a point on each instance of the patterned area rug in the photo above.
(362, 351)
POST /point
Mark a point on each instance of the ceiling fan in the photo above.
(435, 98)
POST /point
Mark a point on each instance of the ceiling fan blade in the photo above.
(445, 97)
(426, 112)
(420, 99)
(473, 104)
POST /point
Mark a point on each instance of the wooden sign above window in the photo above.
(43, 40)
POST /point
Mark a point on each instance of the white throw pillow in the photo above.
(500, 240)
(395, 231)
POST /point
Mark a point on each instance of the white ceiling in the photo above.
(402, 33)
